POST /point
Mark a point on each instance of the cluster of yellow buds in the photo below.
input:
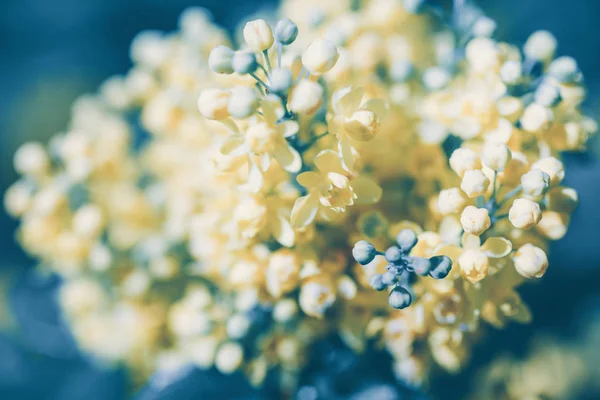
(209, 206)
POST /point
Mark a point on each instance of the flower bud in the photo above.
(540, 46)
(553, 167)
(524, 214)
(547, 95)
(564, 69)
(484, 26)
(320, 56)
(474, 265)
(316, 297)
(536, 118)
(475, 220)
(535, 182)
(282, 273)
(393, 254)
(440, 267)
(421, 266)
(376, 282)
(530, 261)
(406, 240)
(258, 35)
(399, 298)
(31, 159)
(229, 357)
(362, 125)
(451, 201)
(389, 278)
(474, 183)
(243, 102)
(213, 103)
(244, 62)
(220, 60)
(307, 97)
(511, 72)
(281, 80)
(463, 160)
(496, 156)
(286, 31)
(363, 252)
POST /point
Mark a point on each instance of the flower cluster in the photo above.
(203, 208)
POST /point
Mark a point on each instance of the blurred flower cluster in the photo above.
(223, 205)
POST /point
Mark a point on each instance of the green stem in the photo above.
(267, 60)
(260, 81)
(509, 195)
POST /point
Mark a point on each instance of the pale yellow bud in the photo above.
(258, 35)
(463, 160)
(282, 273)
(316, 297)
(320, 56)
(362, 125)
(524, 214)
(243, 102)
(451, 201)
(536, 118)
(213, 103)
(88, 221)
(475, 220)
(306, 97)
(496, 156)
(553, 167)
(474, 183)
(31, 159)
(530, 261)
(535, 182)
(553, 225)
(229, 357)
(540, 46)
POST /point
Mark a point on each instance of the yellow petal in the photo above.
(268, 112)
(378, 106)
(367, 190)
(470, 241)
(288, 157)
(309, 179)
(346, 152)
(338, 180)
(496, 247)
(347, 100)
(282, 231)
(449, 250)
(305, 210)
(329, 161)
(289, 128)
(255, 179)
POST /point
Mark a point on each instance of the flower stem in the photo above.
(267, 60)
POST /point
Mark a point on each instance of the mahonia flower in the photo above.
(205, 208)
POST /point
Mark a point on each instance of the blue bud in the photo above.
(399, 298)
(393, 254)
(441, 266)
(421, 266)
(376, 282)
(389, 278)
(394, 268)
(363, 252)
(286, 31)
(406, 239)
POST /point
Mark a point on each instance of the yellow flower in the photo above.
(332, 189)
(264, 138)
(354, 119)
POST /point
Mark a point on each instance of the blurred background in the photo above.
(52, 52)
